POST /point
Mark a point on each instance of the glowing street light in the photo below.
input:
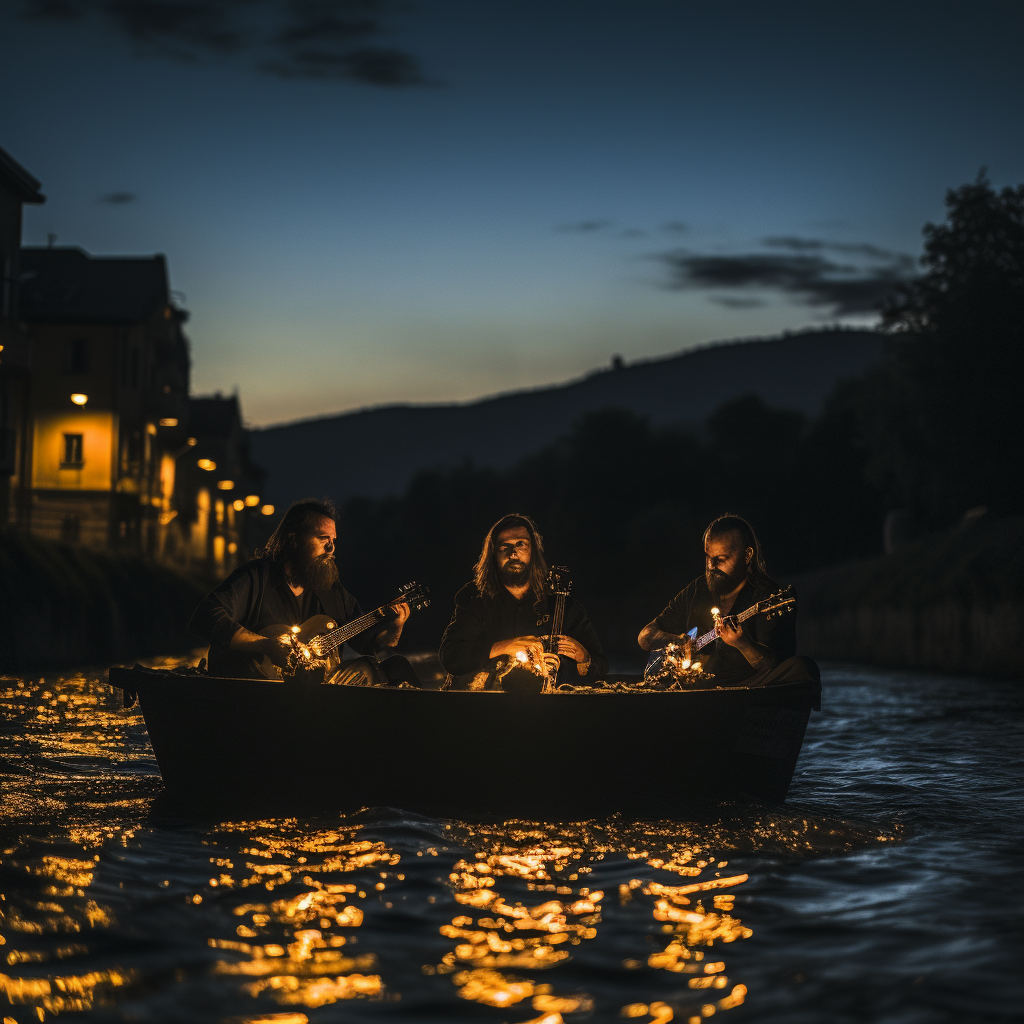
(208, 464)
(225, 485)
(169, 421)
(252, 500)
(267, 510)
(79, 399)
(238, 504)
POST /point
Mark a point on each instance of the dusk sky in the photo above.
(449, 199)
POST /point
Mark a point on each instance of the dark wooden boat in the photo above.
(258, 742)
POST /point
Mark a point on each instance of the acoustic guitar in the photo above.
(317, 642)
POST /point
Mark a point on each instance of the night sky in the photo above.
(363, 203)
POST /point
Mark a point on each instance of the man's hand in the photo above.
(729, 629)
(275, 651)
(572, 649)
(531, 645)
(402, 612)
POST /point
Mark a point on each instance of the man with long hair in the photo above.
(294, 577)
(503, 612)
(756, 652)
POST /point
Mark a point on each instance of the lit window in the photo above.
(168, 421)
(72, 451)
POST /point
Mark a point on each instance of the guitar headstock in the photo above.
(559, 580)
(415, 595)
(778, 604)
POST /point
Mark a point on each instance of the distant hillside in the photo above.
(344, 456)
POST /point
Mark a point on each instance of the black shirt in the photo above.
(691, 607)
(480, 622)
(256, 596)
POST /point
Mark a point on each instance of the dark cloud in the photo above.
(676, 227)
(118, 198)
(322, 39)
(585, 226)
(804, 275)
(734, 303)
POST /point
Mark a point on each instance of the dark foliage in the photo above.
(941, 420)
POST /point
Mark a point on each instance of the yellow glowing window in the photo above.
(252, 500)
(169, 421)
(267, 510)
(238, 504)
(226, 485)
(208, 464)
(73, 448)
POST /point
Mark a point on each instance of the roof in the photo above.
(214, 416)
(16, 179)
(66, 284)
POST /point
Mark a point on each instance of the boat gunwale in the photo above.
(152, 679)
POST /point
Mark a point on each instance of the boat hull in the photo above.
(265, 743)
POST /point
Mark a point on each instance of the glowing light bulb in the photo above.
(522, 656)
(295, 629)
(79, 399)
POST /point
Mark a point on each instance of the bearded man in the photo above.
(292, 578)
(757, 652)
(504, 610)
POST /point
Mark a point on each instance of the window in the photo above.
(72, 452)
(78, 356)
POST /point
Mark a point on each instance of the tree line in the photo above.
(934, 430)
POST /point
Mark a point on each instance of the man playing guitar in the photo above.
(294, 578)
(755, 653)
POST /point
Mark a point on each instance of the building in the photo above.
(220, 485)
(109, 401)
(17, 187)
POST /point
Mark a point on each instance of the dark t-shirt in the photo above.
(256, 596)
(480, 622)
(691, 607)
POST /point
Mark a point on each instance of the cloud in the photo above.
(676, 227)
(318, 39)
(585, 226)
(117, 198)
(804, 275)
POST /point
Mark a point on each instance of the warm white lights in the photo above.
(169, 421)
(79, 399)
(225, 485)
(267, 510)
(208, 464)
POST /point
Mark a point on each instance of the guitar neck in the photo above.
(328, 642)
(557, 619)
(703, 641)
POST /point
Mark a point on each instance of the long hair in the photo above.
(485, 572)
(732, 523)
(296, 524)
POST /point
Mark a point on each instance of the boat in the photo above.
(475, 755)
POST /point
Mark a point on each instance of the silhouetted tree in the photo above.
(942, 417)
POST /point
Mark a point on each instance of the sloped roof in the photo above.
(66, 284)
(16, 179)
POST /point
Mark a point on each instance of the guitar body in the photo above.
(318, 641)
(314, 626)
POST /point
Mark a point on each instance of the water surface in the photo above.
(889, 888)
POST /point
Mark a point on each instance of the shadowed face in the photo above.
(725, 563)
(513, 552)
(315, 567)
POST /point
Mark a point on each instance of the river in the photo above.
(888, 889)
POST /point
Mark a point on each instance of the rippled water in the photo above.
(888, 888)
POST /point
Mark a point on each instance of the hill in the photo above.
(341, 456)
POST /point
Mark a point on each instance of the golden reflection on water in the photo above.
(291, 901)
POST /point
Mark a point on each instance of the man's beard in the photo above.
(514, 573)
(319, 573)
(719, 583)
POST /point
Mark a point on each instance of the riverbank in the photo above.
(950, 602)
(63, 606)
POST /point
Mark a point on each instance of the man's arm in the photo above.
(759, 656)
(580, 642)
(652, 638)
(466, 644)
(392, 631)
(217, 620)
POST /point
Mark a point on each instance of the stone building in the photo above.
(109, 401)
